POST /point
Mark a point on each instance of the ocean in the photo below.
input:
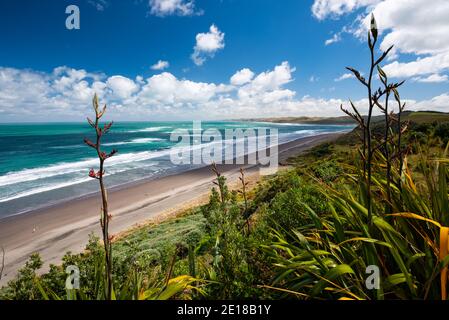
(47, 163)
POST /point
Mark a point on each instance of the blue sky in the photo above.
(292, 53)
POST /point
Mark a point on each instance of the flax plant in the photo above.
(386, 143)
(245, 197)
(2, 266)
(221, 184)
(328, 258)
(373, 101)
(99, 175)
(400, 130)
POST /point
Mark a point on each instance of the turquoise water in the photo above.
(43, 164)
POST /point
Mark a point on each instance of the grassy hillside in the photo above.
(426, 117)
(413, 116)
(307, 120)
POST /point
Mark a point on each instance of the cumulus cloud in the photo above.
(67, 93)
(122, 87)
(438, 103)
(422, 66)
(415, 27)
(162, 8)
(207, 44)
(322, 9)
(241, 77)
(434, 78)
(160, 65)
(268, 80)
(264, 93)
(165, 88)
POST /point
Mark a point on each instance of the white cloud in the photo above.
(434, 78)
(66, 93)
(160, 65)
(162, 8)
(270, 80)
(335, 38)
(438, 103)
(165, 88)
(122, 87)
(322, 9)
(207, 44)
(422, 66)
(241, 77)
(416, 27)
(344, 77)
(246, 94)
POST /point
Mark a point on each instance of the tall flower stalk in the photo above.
(401, 129)
(245, 197)
(2, 265)
(386, 146)
(99, 175)
(373, 100)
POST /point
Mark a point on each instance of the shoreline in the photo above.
(62, 227)
(131, 184)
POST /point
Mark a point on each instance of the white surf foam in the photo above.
(151, 129)
(135, 141)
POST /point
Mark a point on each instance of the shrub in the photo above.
(291, 209)
(442, 132)
(322, 150)
(327, 171)
(281, 182)
(23, 286)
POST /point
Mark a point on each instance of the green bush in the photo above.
(442, 132)
(22, 287)
(327, 171)
(322, 150)
(283, 181)
(228, 245)
(291, 209)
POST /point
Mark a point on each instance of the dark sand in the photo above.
(66, 227)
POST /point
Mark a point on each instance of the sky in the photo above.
(213, 59)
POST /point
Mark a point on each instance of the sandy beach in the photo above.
(66, 227)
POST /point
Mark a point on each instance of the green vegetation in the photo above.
(308, 120)
(412, 116)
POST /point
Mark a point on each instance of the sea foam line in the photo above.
(151, 129)
(84, 165)
(72, 167)
(135, 141)
(55, 186)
